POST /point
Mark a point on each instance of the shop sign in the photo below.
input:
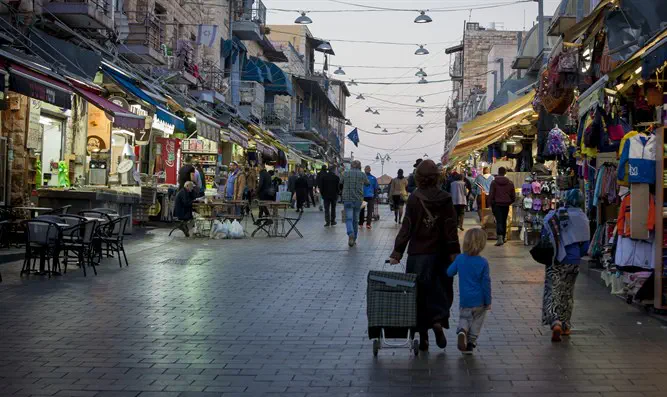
(34, 137)
(41, 91)
(166, 128)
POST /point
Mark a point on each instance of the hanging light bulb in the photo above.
(384, 130)
(348, 122)
(360, 97)
(376, 112)
(420, 110)
(421, 73)
(377, 126)
(423, 18)
(369, 110)
(324, 47)
(352, 82)
(420, 114)
(420, 100)
(421, 50)
(419, 127)
(305, 20)
(423, 81)
(340, 71)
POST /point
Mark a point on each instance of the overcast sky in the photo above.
(445, 30)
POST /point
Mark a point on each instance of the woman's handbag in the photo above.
(543, 251)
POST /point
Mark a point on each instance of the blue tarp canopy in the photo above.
(233, 48)
(282, 82)
(160, 110)
(252, 72)
(264, 67)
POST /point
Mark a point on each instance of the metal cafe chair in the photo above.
(58, 211)
(114, 239)
(81, 244)
(42, 241)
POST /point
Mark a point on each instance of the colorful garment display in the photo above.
(606, 184)
(639, 155)
(624, 216)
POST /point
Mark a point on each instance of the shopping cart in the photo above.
(391, 308)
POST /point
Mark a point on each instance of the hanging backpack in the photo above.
(556, 145)
(593, 132)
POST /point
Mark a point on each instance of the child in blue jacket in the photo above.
(474, 289)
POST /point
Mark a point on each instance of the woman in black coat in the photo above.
(301, 189)
(183, 206)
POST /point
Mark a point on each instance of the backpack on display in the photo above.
(556, 142)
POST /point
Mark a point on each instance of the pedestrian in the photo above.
(568, 231)
(353, 195)
(186, 173)
(311, 188)
(370, 191)
(429, 234)
(318, 181)
(501, 196)
(474, 289)
(251, 185)
(458, 192)
(329, 188)
(232, 181)
(483, 182)
(399, 195)
(183, 206)
(276, 181)
(200, 179)
(265, 190)
(301, 190)
(291, 186)
(412, 185)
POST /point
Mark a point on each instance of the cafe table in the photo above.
(34, 211)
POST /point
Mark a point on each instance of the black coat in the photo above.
(183, 205)
(265, 187)
(301, 186)
(329, 185)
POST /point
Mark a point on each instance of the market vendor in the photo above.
(183, 206)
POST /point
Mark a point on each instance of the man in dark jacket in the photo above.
(291, 186)
(318, 181)
(412, 185)
(329, 184)
(301, 190)
(265, 190)
(183, 206)
(501, 197)
(310, 177)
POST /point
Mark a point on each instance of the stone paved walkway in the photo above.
(287, 317)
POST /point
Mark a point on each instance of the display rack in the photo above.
(660, 302)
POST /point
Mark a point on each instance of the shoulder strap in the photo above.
(428, 213)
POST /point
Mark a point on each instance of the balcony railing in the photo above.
(276, 115)
(213, 78)
(145, 43)
(249, 21)
(255, 13)
(82, 14)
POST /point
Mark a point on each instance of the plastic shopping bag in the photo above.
(216, 230)
(236, 230)
(224, 231)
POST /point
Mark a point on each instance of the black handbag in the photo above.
(543, 251)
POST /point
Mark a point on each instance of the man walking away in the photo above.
(186, 173)
(370, 191)
(301, 189)
(318, 182)
(265, 190)
(291, 186)
(501, 196)
(353, 194)
(311, 188)
(459, 199)
(329, 187)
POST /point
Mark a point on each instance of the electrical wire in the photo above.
(367, 8)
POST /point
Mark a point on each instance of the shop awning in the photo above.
(282, 82)
(40, 86)
(252, 71)
(206, 128)
(238, 136)
(313, 87)
(160, 111)
(264, 67)
(121, 118)
(520, 107)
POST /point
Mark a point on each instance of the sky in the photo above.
(398, 64)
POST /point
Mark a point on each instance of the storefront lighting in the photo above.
(619, 86)
(340, 71)
(423, 18)
(638, 70)
(421, 50)
(192, 118)
(303, 19)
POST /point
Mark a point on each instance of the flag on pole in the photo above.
(354, 137)
(207, 35)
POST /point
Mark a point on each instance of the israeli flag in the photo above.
(354, 137)
(207, 34)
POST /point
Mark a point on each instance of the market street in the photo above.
(261, 316)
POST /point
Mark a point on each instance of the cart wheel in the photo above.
(376, 347)
(415, 347)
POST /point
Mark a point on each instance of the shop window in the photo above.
(53, 137)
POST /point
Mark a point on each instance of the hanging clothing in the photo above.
(638, 253)
(624, 216)
(605, 184)
(639, 154)
(624, 140)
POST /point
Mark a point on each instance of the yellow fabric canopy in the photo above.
(488, 121)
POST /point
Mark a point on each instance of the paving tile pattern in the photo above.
(274, 317)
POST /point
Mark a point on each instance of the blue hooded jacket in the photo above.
(372, 187)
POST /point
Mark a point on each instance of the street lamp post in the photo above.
(382, 159)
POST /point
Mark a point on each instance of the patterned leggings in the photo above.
(558, 300)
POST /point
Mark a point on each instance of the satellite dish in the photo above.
(124, 166)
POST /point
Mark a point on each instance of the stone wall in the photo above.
(14, 127)
(476, 47)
